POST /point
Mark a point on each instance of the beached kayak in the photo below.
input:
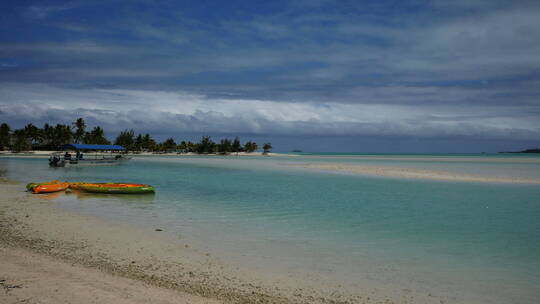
(30, 186)
(113, 188)
(50, 187)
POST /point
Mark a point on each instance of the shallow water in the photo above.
(466, 241)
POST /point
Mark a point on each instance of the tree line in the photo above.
(51, 137)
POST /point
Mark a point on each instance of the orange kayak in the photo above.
(30, 187)
(50, 187)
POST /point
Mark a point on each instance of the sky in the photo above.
(352, 76)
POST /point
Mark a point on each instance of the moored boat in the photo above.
(85, 154)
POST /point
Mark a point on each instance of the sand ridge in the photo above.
(414, 173)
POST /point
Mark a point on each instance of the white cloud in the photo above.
(61, 49)
(44, 11)
(186, 112)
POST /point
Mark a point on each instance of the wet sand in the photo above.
(414, 173)
(27, 277)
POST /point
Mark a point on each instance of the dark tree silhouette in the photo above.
(79, 125)
(21, 143)
(206, 145)
(267, 147)
(96, 137)
(52, 137)
(225, 146)
(236, 145)
(126, 139)
(5, 136)
(250, 146)
(168, 145)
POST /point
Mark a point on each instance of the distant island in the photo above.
(537, 150)
(51, 137)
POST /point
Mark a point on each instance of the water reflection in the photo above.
(52, 196)
(124, 198)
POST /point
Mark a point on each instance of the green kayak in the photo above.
(116, 188)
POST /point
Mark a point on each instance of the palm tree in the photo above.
(267, 147)
(33, 134)
(62, 135)
(5, 136)
(79, 125)
(126, 139)
(250, 146)
(148, 144)
(206, 145)
(191, 147)
(168, 145)
(138, 143)
(96, 137)
(21, 141)
(225, 146)
(182, 147)
(47, 134)
(51, 137)
(236, 145)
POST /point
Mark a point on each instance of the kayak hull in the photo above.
(48, 188)
(30, 186)
(114, 188)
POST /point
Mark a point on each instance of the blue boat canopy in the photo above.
(92, 147)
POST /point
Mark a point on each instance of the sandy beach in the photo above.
(27, 277)
(49, 254)
(415, 173)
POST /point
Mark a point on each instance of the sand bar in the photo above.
(414, 173)
(514, 158)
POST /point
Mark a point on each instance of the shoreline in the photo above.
(33, 224)
(48, 152)
(522, 158)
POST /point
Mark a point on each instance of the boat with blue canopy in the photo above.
(86, 154)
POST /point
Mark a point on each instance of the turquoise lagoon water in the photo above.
(476, 242)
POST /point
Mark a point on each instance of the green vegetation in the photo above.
(50, 137)
(79, 133)
(96, 137)
(5, 136)
(126, 139)
(266, 148)
(250, 147)
(537, 150)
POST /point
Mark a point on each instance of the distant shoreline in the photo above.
(528, 151)
(44, 154)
